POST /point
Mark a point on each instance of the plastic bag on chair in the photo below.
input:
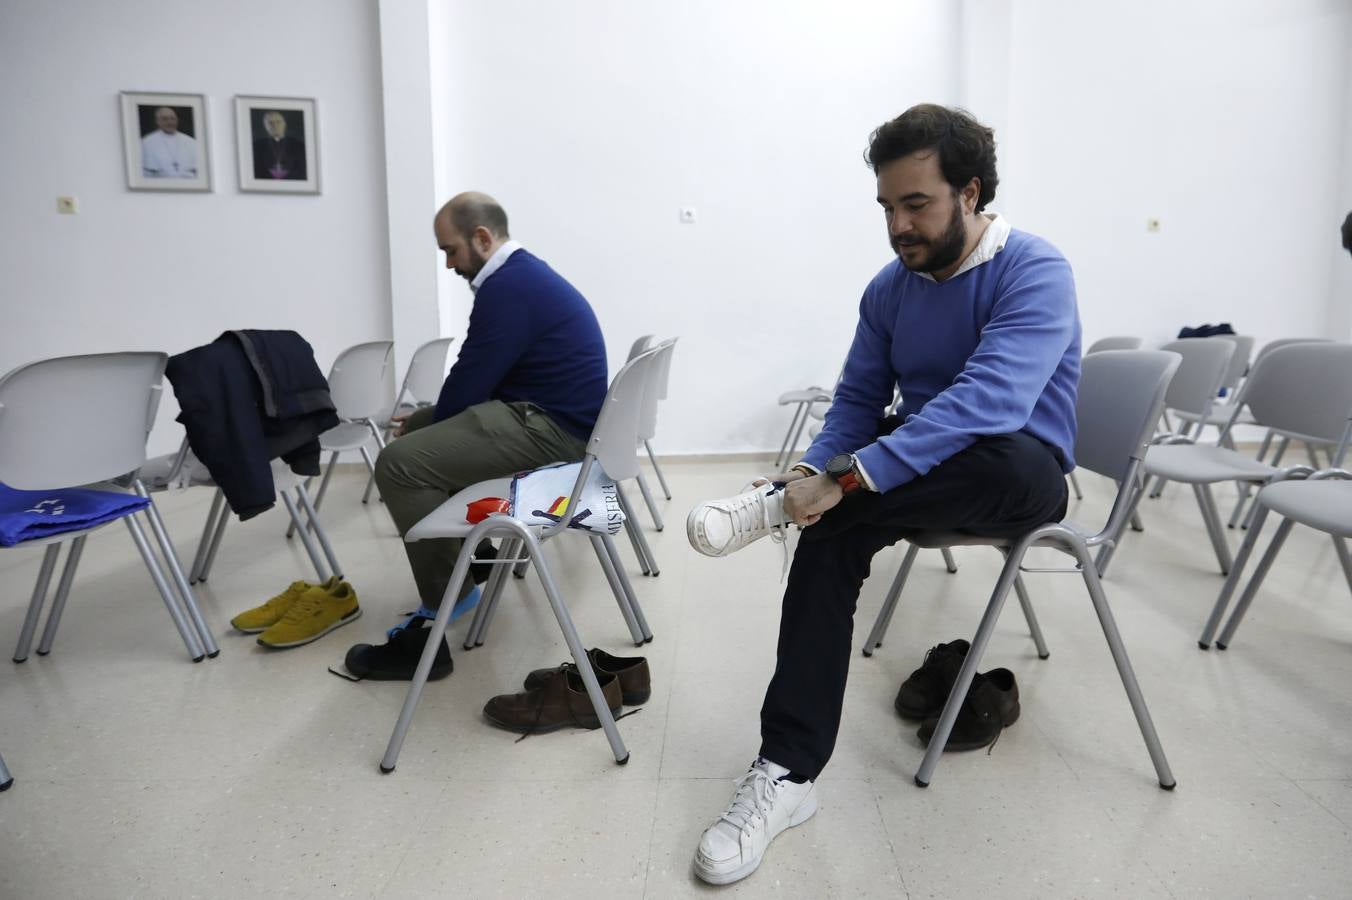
(540, 497)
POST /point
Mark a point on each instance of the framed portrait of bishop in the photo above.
(278, 144)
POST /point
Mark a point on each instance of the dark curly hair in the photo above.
(966, 147)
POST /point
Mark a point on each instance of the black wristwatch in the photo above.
(842, 468)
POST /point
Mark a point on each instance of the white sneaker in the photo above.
(765, 804)
(720, 527)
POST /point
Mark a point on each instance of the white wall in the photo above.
(595, 122)
(1225, 119)
(170, 271)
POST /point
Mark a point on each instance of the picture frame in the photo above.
(277, 144)
(165, 141)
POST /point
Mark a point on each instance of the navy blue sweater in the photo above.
(532, 337)
(991, 351)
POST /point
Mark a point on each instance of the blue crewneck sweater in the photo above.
(994, 350)
(532, 337)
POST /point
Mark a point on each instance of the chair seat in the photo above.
(1326, 505)
(448, 519)
(1204, 464)
(807, 395)
(1219, 415)
(155, 473)
(347, 436)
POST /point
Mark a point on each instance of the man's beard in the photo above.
(477, 260)
(945, 250)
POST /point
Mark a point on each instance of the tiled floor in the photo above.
(254, 774)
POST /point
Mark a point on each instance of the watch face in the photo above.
(838, 465)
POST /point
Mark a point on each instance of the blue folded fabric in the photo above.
(28, 515)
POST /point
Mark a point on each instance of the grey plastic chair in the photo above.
(1300, 389)
(1115, 342)
(421, 387)
(611, 446)
(650, 416)
(1194, 388)
(1322, 502)
(359, 385)
(661, 379)
(107, 404)
(1240, 363)
(166, 472)
(803, 402)
(652, 392)
(1121, 395)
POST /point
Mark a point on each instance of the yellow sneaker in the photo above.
(261, 618)
(314, 614)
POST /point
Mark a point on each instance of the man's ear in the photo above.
(482, 239)
(971, 192)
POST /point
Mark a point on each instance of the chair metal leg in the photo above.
(185, 631)
(621, 597)
(488, 601)
(30, 622)
(969, 664)
(1251, 590)
(219, 533)
(371, 480)
(949, 563)
(647, 561)
(657, 470)
(305, 538)
(521, 568)
(880, 624)
(312, 512)
(1124, 669)
(628, 587)
(1344, 558)
(1107, 551)
(6, 779)
(648, 500)
(208, 531)
(797, 435)
(170, 554)
(323, 489)
(1276, 463)
(1030, 617)
(62, 593)
(1207, 504)
(515, 529)
(1075, 485)
(370, 467)
(1232, 580)
(784, 450)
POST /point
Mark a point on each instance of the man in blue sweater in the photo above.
(525, 391)
(977, 325)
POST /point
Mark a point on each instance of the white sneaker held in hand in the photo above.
(765, 804)
(720, 527)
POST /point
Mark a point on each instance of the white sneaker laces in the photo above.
(756, 793)
(751, 512)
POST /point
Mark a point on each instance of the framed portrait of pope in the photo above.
(277, 143)
(164, 140)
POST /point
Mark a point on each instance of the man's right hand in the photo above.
(401, 424)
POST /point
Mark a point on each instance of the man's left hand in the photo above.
(806, 499)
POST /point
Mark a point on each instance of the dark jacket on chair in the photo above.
(247, 398)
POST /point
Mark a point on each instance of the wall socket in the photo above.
(688, 215)
(67, 206)
(1152, 225)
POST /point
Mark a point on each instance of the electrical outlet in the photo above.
(1152, 225)
(688, 215)
(67, 206)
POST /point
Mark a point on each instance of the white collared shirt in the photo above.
(494, 263)
(991, 243)
(166, 155)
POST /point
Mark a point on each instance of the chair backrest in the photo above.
(640, 345)
(1286, 342)
(655, 389)
(1303, 390)
(426, 372)
(358, 381)
(1120, 398)
(616, 434)
(1117, 342)
(77, 420)
(1198, 380)
(1239, 360)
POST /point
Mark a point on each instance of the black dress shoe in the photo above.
(991, 705)
(923, 693)
(397, 658)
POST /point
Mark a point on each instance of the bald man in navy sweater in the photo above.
(525, 391)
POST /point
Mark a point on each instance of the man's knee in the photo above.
(390, 465)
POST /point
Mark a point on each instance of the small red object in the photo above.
(479, 510)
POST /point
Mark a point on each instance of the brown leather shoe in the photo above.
(636, 683)
(559, 702)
